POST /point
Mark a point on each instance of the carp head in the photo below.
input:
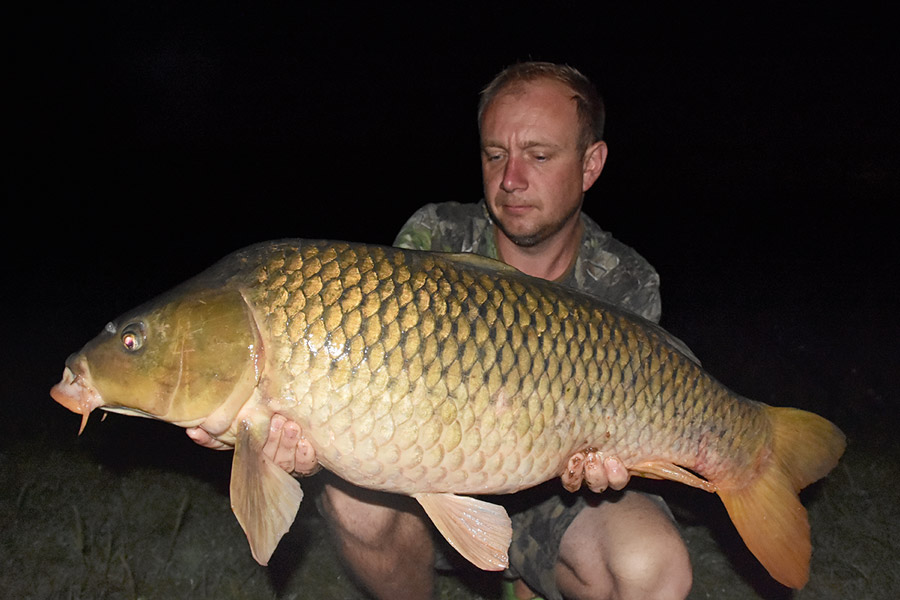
(188, 358)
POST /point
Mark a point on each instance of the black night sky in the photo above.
(753, 154)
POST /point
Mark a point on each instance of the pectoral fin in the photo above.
(264, 498)
(478, 530)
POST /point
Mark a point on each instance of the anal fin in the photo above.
(667, 470)
(264, 498)
(480, 531)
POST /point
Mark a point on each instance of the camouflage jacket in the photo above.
(605, 267)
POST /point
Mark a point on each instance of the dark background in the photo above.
(753, 160)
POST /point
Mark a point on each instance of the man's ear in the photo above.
(594, 159)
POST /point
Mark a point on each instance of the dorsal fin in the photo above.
(674, 342)
(479, 262)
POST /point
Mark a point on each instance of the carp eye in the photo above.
(133, 337)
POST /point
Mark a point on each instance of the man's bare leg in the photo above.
(623, 550)
(384, 539)
(598, 473)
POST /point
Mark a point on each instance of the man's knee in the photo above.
(659, 569)
(624, 549)
(658, 572)
(384, 541)
(369, 518)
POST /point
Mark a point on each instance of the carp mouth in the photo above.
(76, 394)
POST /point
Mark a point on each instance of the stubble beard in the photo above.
(540, 234)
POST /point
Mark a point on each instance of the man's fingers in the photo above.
(283, 439)
(574, 472)
(602, 472)
(616, 473)
(594, 473)
(288, 449)
(290, 434)
(305, 461)
(203, 438)
(272, 447)
(597, 471)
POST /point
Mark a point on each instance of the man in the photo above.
(541, 140)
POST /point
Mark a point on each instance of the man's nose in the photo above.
(513, 176)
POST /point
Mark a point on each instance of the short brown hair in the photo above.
(589, 103)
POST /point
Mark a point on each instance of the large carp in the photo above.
(435, 375)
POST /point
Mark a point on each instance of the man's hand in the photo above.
(285, 446)
(202, 437)
(597, 471)
(288, 449)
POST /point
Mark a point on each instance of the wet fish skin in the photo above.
(429, 346)
(435, 375)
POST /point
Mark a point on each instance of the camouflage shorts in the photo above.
(540, 517)
(537, 533)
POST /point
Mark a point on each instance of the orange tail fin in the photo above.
(766, 510)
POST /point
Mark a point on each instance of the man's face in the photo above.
(534, 175)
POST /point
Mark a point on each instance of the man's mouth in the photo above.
(516, 208)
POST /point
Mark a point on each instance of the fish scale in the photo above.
(437, 375)
(530, 381)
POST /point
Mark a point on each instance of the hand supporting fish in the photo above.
(290, 451)
(285, 446)
(597, 471)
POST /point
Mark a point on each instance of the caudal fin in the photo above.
(766, 510)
